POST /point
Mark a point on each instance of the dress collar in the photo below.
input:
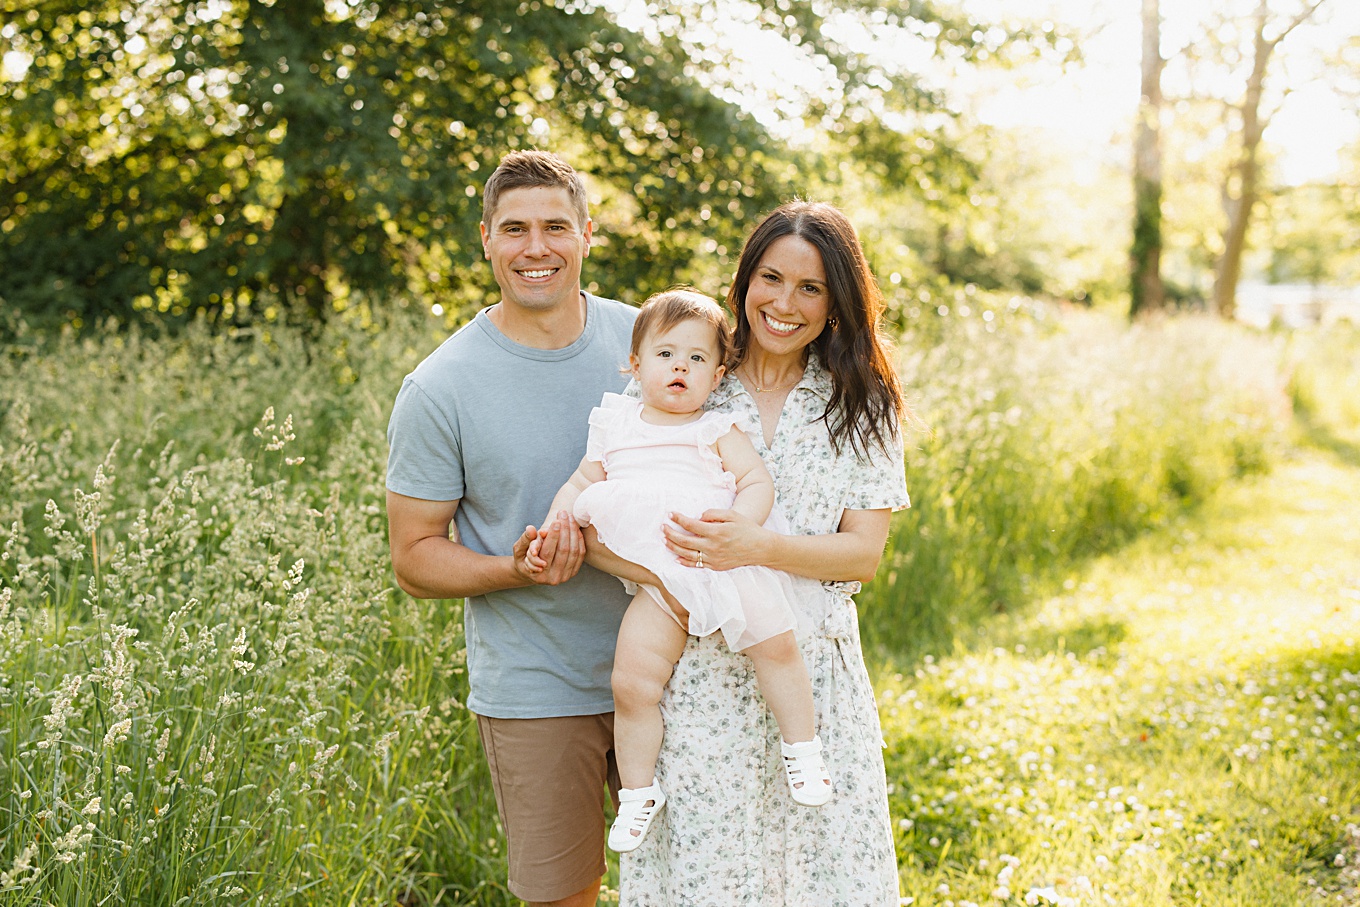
(815, 379)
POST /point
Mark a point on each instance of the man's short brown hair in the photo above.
(534, 169)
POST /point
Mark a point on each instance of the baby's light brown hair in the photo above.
(663, 311)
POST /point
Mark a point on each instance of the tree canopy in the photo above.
(256, 159)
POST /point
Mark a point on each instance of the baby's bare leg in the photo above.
(783, 680)
(650, 643)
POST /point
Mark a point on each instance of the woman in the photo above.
(812, 371)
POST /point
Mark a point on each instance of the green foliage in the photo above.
(1312, 234)
(256, 161)
(1324, 385)
(1049, 440)
(1177, 724)
(230, 157)
(1146, 252)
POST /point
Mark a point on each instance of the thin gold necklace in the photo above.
(772, 387)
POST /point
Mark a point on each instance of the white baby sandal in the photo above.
(638, 806)
(809, 781)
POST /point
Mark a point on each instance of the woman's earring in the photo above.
(832, 322)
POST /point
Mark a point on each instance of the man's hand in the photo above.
(551, 555)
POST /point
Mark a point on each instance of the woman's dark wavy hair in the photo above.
(866, 404)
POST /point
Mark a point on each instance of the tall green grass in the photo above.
(1052, 439)
(211, 691)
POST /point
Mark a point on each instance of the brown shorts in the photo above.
(550, 776)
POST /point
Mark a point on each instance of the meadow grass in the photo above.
(213, 692)
(1181, 724)
(1178, 722)
(1052, 440)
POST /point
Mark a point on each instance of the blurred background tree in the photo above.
(256, 160)
(253, 160)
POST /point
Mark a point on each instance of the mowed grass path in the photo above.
(1181, 725)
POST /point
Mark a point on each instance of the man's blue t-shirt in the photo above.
(501, 427)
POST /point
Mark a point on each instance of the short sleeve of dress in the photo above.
(879, 479)
(604, 420)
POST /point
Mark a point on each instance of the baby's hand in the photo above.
(533, 561)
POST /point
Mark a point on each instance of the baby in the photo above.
(646, 459)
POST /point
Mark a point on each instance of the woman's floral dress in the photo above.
(731, 836)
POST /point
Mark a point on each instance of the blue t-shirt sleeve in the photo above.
(424, 457)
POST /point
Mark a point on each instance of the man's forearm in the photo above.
(439, 568)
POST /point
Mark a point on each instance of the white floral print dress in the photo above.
(731, 836)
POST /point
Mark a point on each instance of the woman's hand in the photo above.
(725, 539)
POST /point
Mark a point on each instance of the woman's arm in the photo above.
(728, 539)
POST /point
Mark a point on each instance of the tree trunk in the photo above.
(1243, 190)
(1240, 194)
(1145, 285)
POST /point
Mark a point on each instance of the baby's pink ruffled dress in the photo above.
(655, 470)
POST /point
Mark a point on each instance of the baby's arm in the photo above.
(755, 487)
(586, 474)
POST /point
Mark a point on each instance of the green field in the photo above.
(1114, 638)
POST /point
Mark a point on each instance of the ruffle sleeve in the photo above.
(714, 425)
(605, 420)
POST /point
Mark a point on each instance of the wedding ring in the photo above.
(700, 561)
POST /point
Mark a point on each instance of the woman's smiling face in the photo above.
(787, 301)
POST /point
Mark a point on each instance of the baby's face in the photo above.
(678, 368)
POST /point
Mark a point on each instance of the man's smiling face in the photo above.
(536, 243)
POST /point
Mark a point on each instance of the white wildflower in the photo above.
(69, 846)
(63, 707)
(118, 733)
(239, 648)
(23, 865)
(162, 744)
(1050, 896)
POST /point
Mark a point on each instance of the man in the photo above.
(482, 435)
